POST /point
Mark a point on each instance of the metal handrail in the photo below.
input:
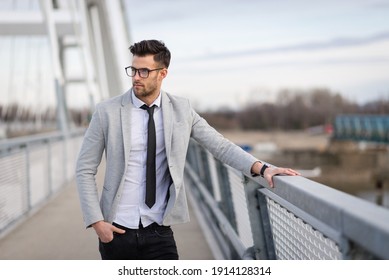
(355, 228)
(17, 142)
(343, 217)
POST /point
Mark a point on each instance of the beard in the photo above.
(141, 90)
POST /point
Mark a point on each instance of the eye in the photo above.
(143, 71)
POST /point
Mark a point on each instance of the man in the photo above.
(145, 134)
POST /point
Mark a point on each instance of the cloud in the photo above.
(309, 46)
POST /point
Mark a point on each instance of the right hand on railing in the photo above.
(271, 171)
(105, 231)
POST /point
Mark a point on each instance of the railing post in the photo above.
(28, 174)
(50, 167)
(260, 223)
(205, 171)
(226, 204)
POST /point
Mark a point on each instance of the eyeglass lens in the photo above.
(143, 72)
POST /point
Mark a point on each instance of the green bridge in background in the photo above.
(371, 128)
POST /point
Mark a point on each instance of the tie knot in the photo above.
(150, 110)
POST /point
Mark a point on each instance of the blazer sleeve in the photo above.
(88, 161)
(220, 147)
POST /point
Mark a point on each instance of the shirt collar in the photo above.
(139, 103)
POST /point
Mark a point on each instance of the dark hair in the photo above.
(152, 47)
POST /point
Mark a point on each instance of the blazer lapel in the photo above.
(125, 115)
(167, 113)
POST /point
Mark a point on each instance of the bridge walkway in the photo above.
(57, 232)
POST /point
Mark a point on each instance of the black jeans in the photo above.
(154, 242)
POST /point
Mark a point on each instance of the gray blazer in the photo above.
(109, 132)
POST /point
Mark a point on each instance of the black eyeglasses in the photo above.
(142, 72)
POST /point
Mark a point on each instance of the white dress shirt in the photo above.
(132, 207)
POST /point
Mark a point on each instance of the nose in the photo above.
(136, 76)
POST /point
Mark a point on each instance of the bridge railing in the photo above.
(298, 219)
(32, 169)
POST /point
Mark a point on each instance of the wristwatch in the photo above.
(262, 172)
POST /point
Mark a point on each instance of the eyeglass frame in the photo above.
(138, 70)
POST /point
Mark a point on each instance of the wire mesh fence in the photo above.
(32, 170)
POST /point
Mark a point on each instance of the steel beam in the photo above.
(24, 23)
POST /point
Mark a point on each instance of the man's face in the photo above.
(144, 87)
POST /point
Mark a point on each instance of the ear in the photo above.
(164, 73)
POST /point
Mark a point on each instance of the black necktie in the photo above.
(150, 163)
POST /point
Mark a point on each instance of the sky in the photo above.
(229, 53)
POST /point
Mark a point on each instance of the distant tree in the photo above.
(379, 107)
(223, 118)
(294, 109)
